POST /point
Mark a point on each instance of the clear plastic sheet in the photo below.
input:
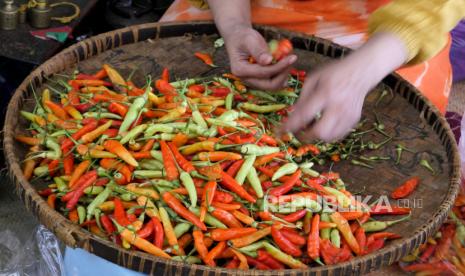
(40, 255)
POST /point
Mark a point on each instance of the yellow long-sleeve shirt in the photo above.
(422, 24)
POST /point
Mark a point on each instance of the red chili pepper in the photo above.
(330, 253)
(389, 210)
(361, 239)
(158, 232)
(165, 88)
(182, 161)
(266, 185)
(107, 224)
(283, 49)
(427, 253)
(286, 245)
(293, 236)
(375, 245)
(85, 181)
(295, 216)
(84, 107)
(82, 76)
(223, 197)
(256, 263)
(220, 91)
(406, 189)
(68, 162)
(232, 185)
(313, 241)
(119, 213)
(111, 133)
(165, 75)
(146, 231)
(267, 259)
(53, 167)
(226, 218)
(287, 186)
(118, 108)
(68, 143)
(182, 211)
(234, 168)
(45, 192)
(206, 58)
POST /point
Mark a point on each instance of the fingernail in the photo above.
(265, 59)
(292, 59)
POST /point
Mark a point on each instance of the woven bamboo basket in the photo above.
(150, 47)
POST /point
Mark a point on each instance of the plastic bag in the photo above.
(457, 52)
(40, 255)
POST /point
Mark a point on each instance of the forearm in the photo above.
(229, 14)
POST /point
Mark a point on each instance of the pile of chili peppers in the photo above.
(444, 253)
(189, 170)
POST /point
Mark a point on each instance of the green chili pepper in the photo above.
(100, 115)
(98, 200)
(263, 95)
(325, 233)
(310, 172)
(164, 128)
(298, 203)
(151, 164)
(283, 257)
(93, 190)
(97, 214)
(55, 152)
(133, 113)
(361, 164)
(81, 213)
(254, 182)
(156, 154)
(262, 108)
(228, 102)
(225, 83)
(41, 171)
(335, 238)
(188, 183)
(187, 259)
(232, 124)
(133, 133)
(460, 228)
(102, 172)
(340, 197)
(245, 168)
(425, 163)
(62, 132)
(183, 83)
(375, 226)
(229, 116)
(128, 197)
(61, 184)
(285, 93)
(181, 229)
(258, 150)
(210, 220)
(198, 119)
(252, 247)
(286, 169)
(143, 174)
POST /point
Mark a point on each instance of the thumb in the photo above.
(258, 49)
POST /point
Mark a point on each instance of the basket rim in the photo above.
(75, 236)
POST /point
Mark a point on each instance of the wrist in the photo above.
(382, 54)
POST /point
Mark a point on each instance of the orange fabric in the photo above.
(341, 21)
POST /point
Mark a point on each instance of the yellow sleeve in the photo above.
(201, 4)
(422, 24)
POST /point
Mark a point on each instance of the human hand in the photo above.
(338, 90)
(244, 42)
